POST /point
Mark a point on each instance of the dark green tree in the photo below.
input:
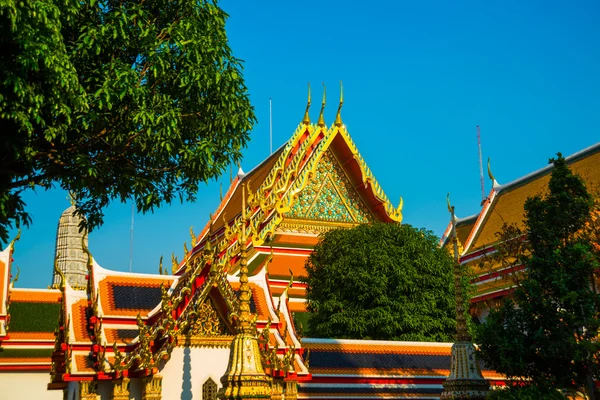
(548, 332)
(116, 99)
(381, 281)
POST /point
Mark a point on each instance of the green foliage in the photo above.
(25, 353)
(548, 333)
(115, 100)
(381, 281)
(33, 317)
(527, 392)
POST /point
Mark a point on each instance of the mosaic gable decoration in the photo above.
(329, 196)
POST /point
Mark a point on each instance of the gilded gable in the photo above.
(330, 196)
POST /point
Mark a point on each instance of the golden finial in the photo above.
(208, 245)
(12, 284)
(306, 119)
(321, 122)
(174, 262)
(87, 251)
(63, 280)
(192, 236)
(489, 167)
(230, 174)
(338, 117)
(160, 267)
(12, 243)
(221, 192)
(185, 249)
(448, 203)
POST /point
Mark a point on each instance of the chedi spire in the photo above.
(70, 258)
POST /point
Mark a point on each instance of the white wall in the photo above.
(188, 369)
(27, 385)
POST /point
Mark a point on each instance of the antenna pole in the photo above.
(480, 165)
(131, 238)
(270, 126)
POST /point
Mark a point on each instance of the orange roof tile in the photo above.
(295, 306)
(120, 335)
(282, 263)
(376, 348)
(79, 320)
(83, 363)
(106, 287)
(291, 239)
(258, 295)
(380, 371)
(292, 292)
(22, 360)
(35, 296)
(31, 335)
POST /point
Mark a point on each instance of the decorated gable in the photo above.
(330, 196)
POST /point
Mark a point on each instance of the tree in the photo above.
(112, 99)
(381, 281)
(548, 331)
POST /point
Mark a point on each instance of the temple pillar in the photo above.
(121, 389)
(152, 388)
(277, 389)
(291, 390)
(88, 390)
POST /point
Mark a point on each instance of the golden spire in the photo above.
(465, 380)
(338, 117)
(462, 334)
(245, 376)
(321, 121)
(306, 119)
(244, 325)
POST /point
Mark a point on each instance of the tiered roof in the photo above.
(505, 204)
(316, 181)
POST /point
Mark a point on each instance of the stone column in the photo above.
(152, 388)
(121, 389)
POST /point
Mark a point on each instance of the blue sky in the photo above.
(418, 77)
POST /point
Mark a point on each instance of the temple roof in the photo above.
(506, 202)
(375, 369)
(277, 182)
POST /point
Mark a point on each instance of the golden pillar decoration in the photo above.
(291, 390)
(245, 376)
(152, 388)
(465, 381)
(88, 390)
(121, 389)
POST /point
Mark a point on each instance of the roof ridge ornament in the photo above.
(306, 119)
(321, 121)
(338, 117)
(495, 183)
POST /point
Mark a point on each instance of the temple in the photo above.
(226, 321)
(478, 234)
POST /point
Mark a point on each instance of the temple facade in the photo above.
(223, 324)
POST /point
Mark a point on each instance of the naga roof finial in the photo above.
(306, 119)
(338, 117)
(321, 121)
(495, 183)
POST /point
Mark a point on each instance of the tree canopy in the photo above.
(381, 281)
(112, 99)
(548, 331)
